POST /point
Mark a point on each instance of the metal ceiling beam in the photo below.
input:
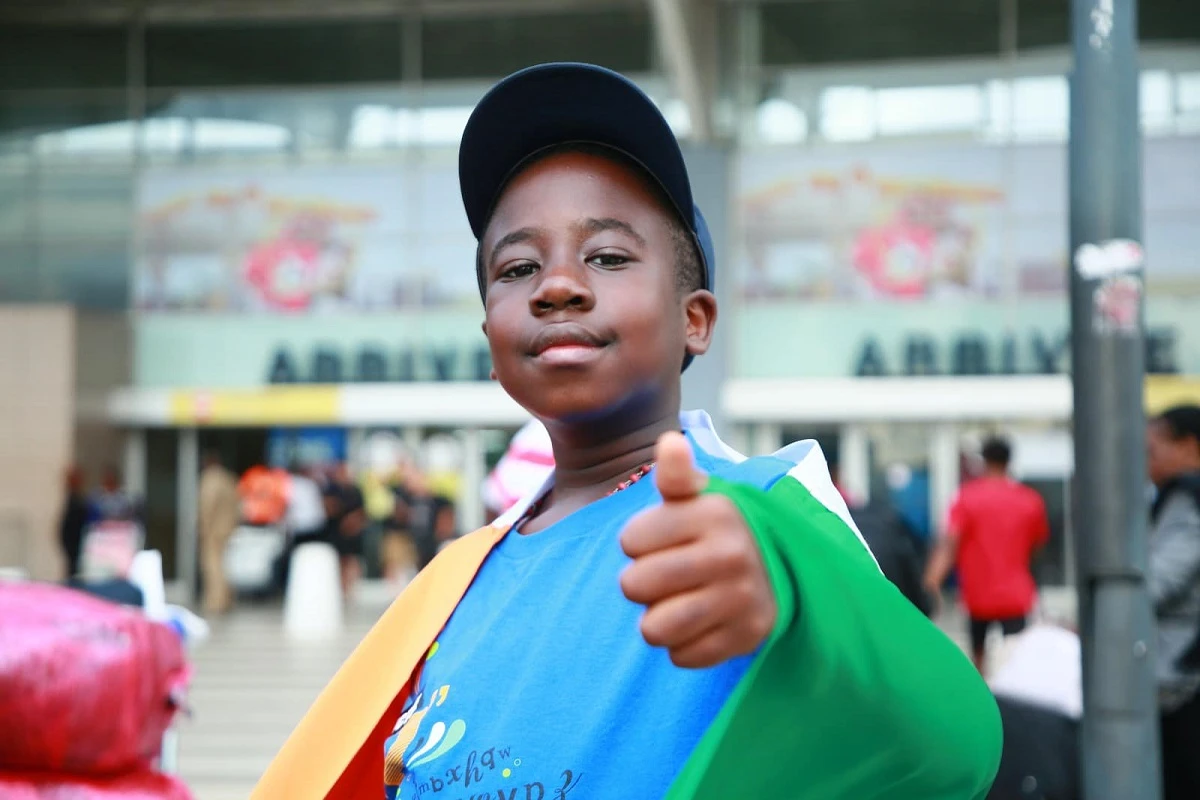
(182, 11)
(677, 46)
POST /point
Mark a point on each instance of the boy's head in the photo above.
(595, 281)
(690, 269)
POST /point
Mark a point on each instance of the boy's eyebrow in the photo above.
(513, 237)
(592, 225)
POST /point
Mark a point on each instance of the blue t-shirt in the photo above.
(541, 687)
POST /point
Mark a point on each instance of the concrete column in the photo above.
(710, 168)
(943, 473)
(854, 462)
(187, 510)
(133, 466)
(355, 440)
(471, 500)
(414, 439)
(766, 438)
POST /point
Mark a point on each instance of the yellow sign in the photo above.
(277, 405)
(1164, 391)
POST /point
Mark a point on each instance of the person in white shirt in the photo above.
(304, 520)
(305, 516)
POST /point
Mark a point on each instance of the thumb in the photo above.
(674, 474)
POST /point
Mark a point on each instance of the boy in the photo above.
(664, 618)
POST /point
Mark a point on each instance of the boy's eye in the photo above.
(522, 270)
(609, 260)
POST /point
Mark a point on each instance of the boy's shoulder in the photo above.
(759, 471)
(718, 458)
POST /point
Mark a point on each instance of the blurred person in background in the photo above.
(219, 507)
(996, 526)
(1173, 463)
(112, 502)
(347, 522)
(896, 549)
(445, 522)
(522, 470)
(73, 521)
(424, 506)
(398, 548)
(385, 505)
(264, 495)
(895, 545)
(305, 517)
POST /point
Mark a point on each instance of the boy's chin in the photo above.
(586, 404)
(570, 410)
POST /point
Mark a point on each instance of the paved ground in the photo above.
(252, 685)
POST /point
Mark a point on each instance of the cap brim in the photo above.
(554, 104)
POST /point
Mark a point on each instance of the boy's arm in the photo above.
(855, 694)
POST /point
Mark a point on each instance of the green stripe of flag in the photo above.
(856, 695)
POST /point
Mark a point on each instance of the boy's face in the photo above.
(583, 314)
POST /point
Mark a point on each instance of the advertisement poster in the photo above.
(859, 227)
(296, 241)
(905, 222)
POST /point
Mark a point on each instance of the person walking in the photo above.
(1173, 582)
(996, 526)
(112, 502)
(347, 523)
(219, 513)
(74, 520)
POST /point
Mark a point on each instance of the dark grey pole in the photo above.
(1120, 727)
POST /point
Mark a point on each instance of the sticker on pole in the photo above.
(1117, 306)
(1104, 260)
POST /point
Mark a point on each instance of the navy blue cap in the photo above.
(560, 103)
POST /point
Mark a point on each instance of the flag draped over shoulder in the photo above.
(854, 696)
(336, 751)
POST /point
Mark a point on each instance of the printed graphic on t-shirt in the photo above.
(422, 760)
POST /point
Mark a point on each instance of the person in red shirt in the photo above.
(996, 525)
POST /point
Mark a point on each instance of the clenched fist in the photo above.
(696, 568)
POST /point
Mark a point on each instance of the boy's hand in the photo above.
(696, 567)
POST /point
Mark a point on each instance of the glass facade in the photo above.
(234, 180)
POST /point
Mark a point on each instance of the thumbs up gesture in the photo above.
(696, 568)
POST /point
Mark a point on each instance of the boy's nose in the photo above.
(562, 288)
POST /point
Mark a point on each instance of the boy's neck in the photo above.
(591, 459)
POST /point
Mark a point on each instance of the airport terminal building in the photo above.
(238, 225)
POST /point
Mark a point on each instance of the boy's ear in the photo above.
(700, 310)
(483, 327)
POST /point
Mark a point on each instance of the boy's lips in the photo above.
(565, 344)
